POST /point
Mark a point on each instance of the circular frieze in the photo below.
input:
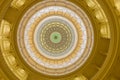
(56, 38)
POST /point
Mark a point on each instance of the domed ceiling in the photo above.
(59, 40)
(56, 39)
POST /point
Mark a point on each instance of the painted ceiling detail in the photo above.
(56, 40)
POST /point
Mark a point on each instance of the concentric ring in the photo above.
(56, 24)
(42, 43)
